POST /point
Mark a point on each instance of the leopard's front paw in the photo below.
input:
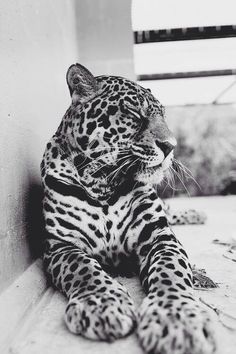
(186, 217)
(177, 329)
(101, 317)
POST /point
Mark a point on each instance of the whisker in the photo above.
(180, 179)
(132, 163)
(117, 170)
(107, 148)
(98, 169)
(186, 171)
(90, 162)
(83, 166)
(105, 151)
(93, 160)
(123, 157)
(135, 184)
(128, 159)
(170, 182)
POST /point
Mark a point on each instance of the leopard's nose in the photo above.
(166, 146)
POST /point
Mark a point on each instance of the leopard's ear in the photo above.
(82, 84)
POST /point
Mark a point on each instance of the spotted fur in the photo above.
(184, 217)
(103, 217)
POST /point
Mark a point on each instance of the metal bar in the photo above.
(223, 92)
(185, 75)
(183, 34)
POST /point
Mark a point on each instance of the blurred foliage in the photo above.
(206, 138)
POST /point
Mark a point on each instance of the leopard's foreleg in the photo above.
(98, 306)
(170, 319)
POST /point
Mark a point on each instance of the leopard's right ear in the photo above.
(82, 84)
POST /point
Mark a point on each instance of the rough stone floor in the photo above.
(32, 314)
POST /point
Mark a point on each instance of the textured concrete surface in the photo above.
(18, 301)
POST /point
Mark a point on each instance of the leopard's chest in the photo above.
(110, 233)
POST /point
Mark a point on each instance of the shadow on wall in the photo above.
(34, 216)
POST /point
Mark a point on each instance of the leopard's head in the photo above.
(118, 126)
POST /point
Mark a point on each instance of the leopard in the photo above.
(103, 218)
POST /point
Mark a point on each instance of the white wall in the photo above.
(105, 36)
(161, 14)
(37, 44)
(38, 41)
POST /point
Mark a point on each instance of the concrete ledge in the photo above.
(17, 302)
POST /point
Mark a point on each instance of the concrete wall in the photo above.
(38, 41)
(105, 36)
